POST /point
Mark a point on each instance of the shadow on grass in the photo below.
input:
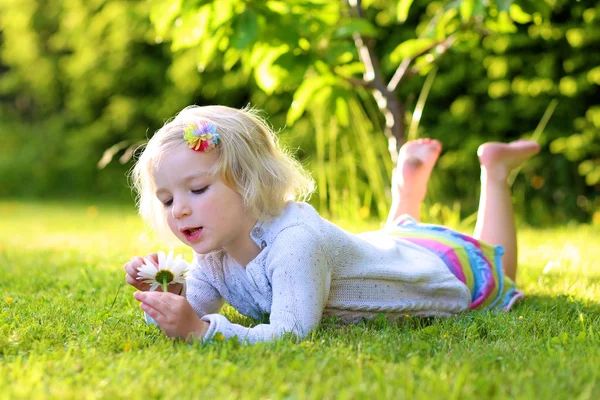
(535, 317)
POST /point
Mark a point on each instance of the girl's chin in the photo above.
(202, 248)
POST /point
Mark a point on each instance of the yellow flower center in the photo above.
(164, 276)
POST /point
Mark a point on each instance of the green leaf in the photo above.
(409, 49)
(301, 97)
(322, 67)
(518, 15)
(223, 13)
(423, 64)
(163, 13)
(402, 9)
(245, 28)
(356, 25)
(295, 67)
(505, 24)
(279, 7)
(479, 9)
(466, 9)
(341, 111)
(230, 58)
(192, 29)
(446, 19)
(350, 70)
(188, 6)
(267, 75)
(532, 6)
(208, 48)
(341, 53)
(503, 5)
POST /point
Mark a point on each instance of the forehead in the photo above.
(177, 163)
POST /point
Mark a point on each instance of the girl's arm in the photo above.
(201, 294)
(300, 280)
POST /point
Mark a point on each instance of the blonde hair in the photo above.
(249, 160)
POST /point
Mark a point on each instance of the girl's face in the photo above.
(201, 210)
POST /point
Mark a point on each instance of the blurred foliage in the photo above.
(334, 57)
(499, 91)
(79, 77)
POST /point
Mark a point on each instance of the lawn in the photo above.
(70, 328)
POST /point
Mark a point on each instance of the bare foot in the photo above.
(415, 162)
(499, 159)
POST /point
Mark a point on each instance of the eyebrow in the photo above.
(187, 179)
(196, 175)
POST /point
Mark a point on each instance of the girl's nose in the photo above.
(180, 209)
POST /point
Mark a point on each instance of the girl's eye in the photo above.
(200, 191)
(167, 203)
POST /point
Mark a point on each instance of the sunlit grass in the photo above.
(70, 328)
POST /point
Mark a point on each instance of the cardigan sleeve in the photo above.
(201, 294)
(300, 278)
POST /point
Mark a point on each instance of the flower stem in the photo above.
(164, 282)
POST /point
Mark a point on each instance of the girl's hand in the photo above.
(132, 266)
(173, 314)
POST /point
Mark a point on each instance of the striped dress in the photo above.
(475, 263)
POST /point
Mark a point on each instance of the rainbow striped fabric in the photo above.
(475, 263)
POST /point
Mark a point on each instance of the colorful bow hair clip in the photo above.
(201, 136)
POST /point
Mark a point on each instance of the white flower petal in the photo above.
(179, 268)
(162, 258)
(176, 265)
(147, 271)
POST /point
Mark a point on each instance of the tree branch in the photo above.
(442, 50)
(367, 54)
(359, 82)
(400, 74)
(387, 101)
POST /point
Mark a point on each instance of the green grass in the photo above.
(70, 328)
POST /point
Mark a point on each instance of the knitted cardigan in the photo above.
(309, 268)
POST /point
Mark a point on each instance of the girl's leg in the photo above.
(409, 179)
(495, 219)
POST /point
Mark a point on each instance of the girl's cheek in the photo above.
(171, 224)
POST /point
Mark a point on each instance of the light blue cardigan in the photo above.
(308, 268)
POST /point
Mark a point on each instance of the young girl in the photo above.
(218, 179)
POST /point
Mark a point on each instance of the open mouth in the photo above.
(192, 234)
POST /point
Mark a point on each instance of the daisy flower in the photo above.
(168, 272)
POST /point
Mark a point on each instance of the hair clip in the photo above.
(201, 136)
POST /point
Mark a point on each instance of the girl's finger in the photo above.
(155, 300)
(136, 260)
(153, 312)
(130, 280)
(136, 283)
(151, 258)
(131, 269)
(132, 266)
